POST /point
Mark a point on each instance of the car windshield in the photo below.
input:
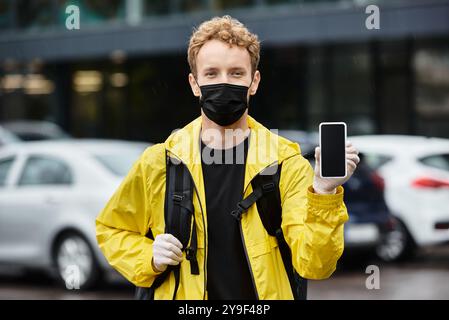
(119, 163)
(8, 137)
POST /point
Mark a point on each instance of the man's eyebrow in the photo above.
(210, 68)
(238, 68)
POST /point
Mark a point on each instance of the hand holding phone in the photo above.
(336, 159)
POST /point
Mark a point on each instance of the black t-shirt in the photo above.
(227, 266)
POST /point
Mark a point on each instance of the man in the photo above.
(237, 259)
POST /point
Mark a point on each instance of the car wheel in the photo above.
(396, 244)
(75, 262)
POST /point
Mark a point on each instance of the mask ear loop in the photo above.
(249, 88)
(196, 82)
(199, 98)
(252, 79)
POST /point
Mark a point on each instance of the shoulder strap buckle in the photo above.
(190, 253)
(237, 213)
(177, 198)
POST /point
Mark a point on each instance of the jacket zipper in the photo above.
(204, 225)
(244, 244)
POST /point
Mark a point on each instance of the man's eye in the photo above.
(209, 74)
(237, 73)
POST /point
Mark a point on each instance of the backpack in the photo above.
(180, 219)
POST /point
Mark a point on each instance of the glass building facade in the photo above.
(379, 84)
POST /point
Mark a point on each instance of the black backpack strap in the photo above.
(181, 216)
(267, 197)
(257, 194)
(192, 250)
(264, 189)
(179, 213)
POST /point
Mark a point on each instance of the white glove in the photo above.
(329, 185)
(166, 251)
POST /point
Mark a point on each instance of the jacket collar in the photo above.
(265, 147)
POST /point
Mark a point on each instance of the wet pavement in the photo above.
(425, 277)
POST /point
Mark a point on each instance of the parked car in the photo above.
(416, 173)
(50, 195)
(371, 227)
(35, 130)
(7, 137)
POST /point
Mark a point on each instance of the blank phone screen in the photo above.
(333, 153)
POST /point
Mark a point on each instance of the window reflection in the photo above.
(5, 14)
(37, 13)
(157, 7)
(193, 5)
(228, 4)
(93, 11)
(431, 65)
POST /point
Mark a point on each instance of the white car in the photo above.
(416, 174)
(50, 195)
(7, 137)
(27, 130)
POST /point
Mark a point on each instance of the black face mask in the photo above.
(224, 103)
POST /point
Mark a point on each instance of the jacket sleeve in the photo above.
(312, 223)
(122, 225)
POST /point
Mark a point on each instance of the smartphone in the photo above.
(333, 150)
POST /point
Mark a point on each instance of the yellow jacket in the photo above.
(312, 223)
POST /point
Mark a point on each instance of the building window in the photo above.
(38, 13)
(93, 11)
(339, 87)
(5, 14)
(431, 67)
